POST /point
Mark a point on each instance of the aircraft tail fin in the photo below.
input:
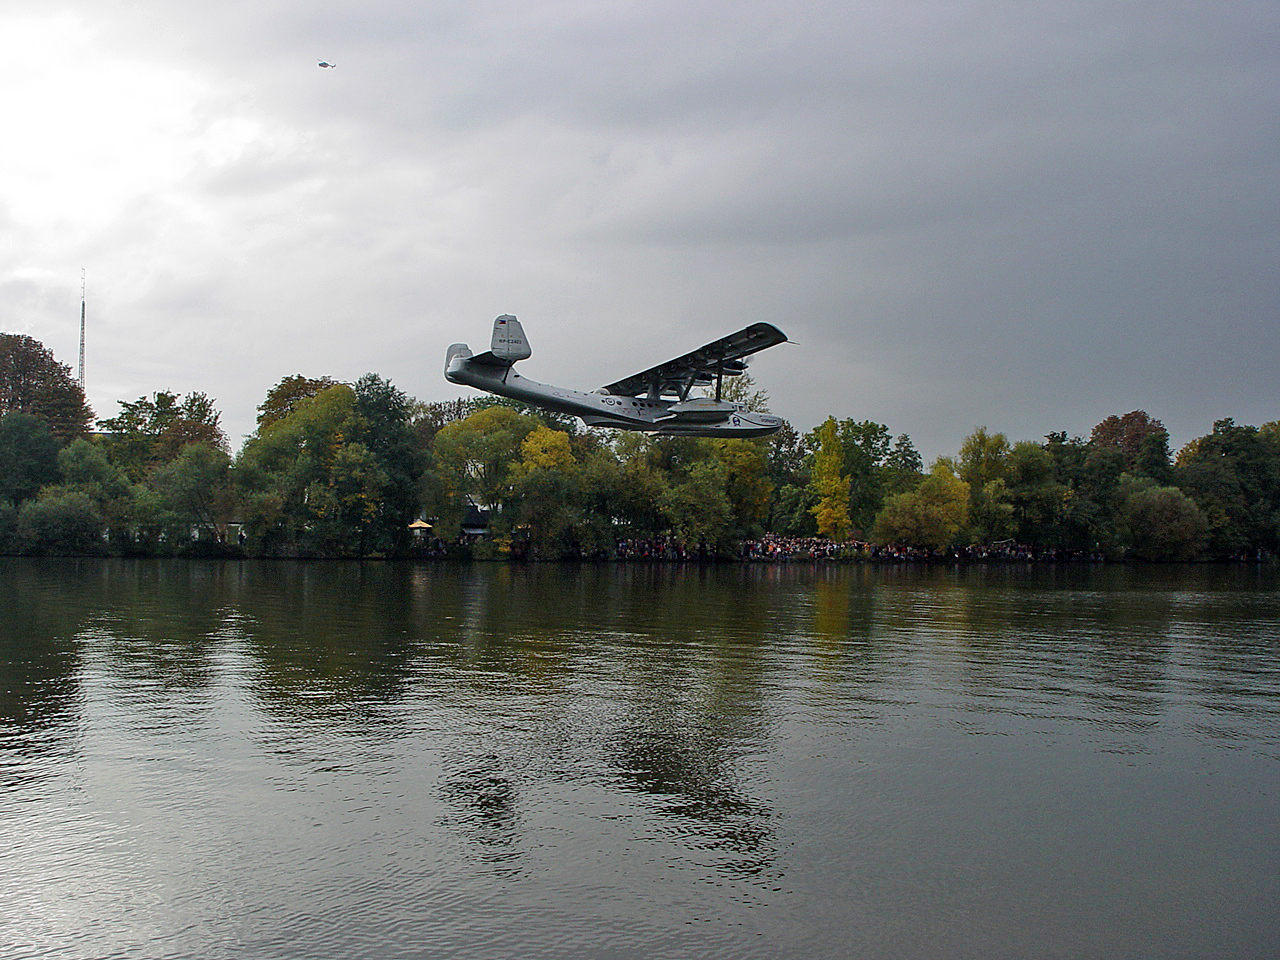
(509, 342)
(508, 346)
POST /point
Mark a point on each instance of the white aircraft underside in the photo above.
(655, 400)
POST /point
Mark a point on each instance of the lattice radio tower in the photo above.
(82, 329)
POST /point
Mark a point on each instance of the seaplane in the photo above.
(656, 400)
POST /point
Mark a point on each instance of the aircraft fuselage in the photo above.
(698, 417)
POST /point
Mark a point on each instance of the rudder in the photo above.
(509, 342)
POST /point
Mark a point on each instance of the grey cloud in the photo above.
(1027, 216)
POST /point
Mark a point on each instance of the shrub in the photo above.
(60, 522)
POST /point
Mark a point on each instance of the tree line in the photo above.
(343, 469)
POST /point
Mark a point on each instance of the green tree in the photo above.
(930, 517)
(864, 449)
(699, 508)
(990, 513)
(429, 418)
(1143, 442)
(33, 382)
(982, 457)
(349, 504)
(744, 465)
(793, 511)
(789, 472)
(786, 455)
(1036, 498)
(152, 431)
(8, 528)
(476, 456)
(1233, 474)
(28, 457)
(547, 491)
(731, 476)
(85, 467)
(622, 487)
(903, 468)
(1080, 513)
(982, 465)
(338, 473)
(284, 397)
(60, 522)
(1164, 524)
(383, 426)
(195, 489)
(284, 470)
(1099, 498)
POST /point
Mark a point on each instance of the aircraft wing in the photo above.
(701, 366)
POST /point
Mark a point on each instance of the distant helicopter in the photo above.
(325, 63)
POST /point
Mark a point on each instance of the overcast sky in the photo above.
(1024, 216)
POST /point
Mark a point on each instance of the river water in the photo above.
(335, 760)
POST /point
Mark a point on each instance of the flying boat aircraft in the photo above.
(655, 400)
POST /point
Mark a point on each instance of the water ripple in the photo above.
(298, 760)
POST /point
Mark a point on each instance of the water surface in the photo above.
(340, 760)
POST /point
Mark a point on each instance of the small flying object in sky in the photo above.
(325, 63)
(655, 400)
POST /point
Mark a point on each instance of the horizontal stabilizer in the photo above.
(456, 350)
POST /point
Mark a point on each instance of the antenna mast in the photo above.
(82, 329)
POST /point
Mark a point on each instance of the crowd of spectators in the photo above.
(656, 548)
(778, 548)
(772, 548)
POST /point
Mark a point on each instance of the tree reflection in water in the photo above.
(393, 753)
(480, 803)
